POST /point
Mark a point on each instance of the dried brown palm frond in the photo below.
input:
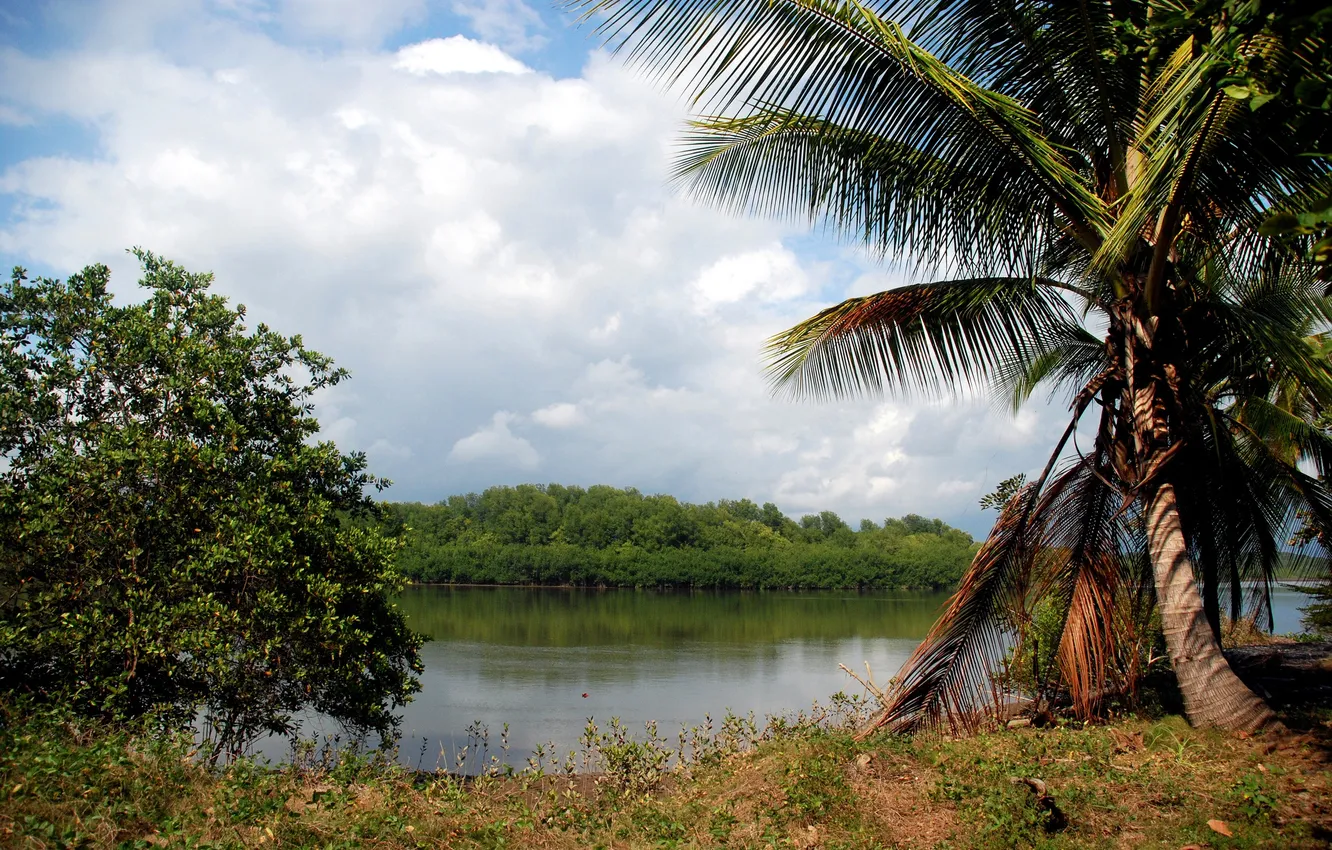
(947, 678)
(1086, 538)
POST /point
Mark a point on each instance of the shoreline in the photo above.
(683, 587)
(1297, 584)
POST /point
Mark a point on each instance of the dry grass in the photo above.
(895, 793)
(1246, 632)
(1156, 785)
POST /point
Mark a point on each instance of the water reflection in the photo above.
(527, 656)
(555, 617)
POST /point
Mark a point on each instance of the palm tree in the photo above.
(1088, 187)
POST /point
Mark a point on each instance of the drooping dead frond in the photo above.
(1070, 541)
(1090, 635)
(947, 678)
(1086, 536)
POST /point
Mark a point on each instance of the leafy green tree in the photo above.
(916, 524)
(1090, 179)
(1004, 493)
(772, 517)
(743, 509)
(171, 538)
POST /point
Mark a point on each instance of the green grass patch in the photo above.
(801, 785)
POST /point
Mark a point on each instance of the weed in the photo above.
(1253, 797)
(629, 766)
(722, 824)
(1171, 738)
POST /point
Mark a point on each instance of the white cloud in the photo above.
(182, 170)
(381, 449)
(249, 10)
(457, 55)
(464, 241)
(13, 117)
(467, 243)
(777, 444)
(957, 487)
(770, 274)
(352, 21)
(611, 377)
(561, 415)
(608, 329)
(337, 429)
(497, 444)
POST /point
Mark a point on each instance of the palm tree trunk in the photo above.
(1213, 694)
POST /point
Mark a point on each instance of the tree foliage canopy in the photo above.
(556, 534)
(171, 537)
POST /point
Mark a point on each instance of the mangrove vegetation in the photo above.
(603, 536)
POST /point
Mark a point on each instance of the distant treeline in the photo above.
(557, 535)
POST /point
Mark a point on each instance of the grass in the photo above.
(802, 784)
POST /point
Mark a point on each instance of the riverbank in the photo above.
(801, 783)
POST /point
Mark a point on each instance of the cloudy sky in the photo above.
(466, 204)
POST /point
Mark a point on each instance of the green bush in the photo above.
(171, 539)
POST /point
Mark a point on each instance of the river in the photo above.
(544, 660)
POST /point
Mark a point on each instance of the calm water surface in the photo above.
(527, 656)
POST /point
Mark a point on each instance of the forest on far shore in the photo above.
(559, 535)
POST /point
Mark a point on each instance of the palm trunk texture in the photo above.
(1213, 694)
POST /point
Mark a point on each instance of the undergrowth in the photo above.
(801, 781)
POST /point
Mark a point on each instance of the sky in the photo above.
(468, 205)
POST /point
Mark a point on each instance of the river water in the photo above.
(545, 660)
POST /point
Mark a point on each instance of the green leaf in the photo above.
(1279, 223)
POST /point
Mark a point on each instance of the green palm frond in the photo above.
(953, 335)
(1002, 121)
(1232, 512)
(1210, 166)
(1312, 496)
(889, 196)
(1248, 357)
(1053, 57)
(1176, 135)
(848, 66)
(1068, 363)
(1253, 329)
(1287, 435)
